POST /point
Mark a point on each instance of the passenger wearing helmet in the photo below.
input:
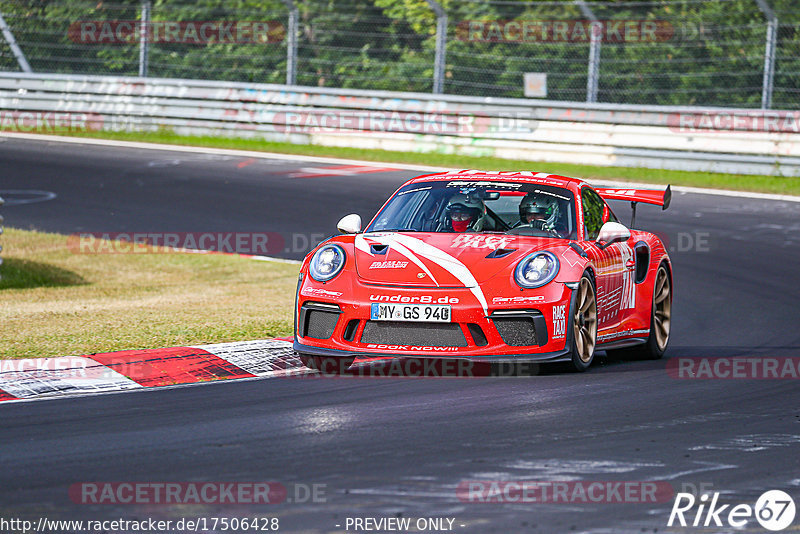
(539, 211)
(466, 212)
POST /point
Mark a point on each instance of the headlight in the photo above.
(326, 263)
(536, 270)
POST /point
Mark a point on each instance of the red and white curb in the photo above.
(146, 368)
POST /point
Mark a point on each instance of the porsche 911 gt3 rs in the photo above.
(490, 266)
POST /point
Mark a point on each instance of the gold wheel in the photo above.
(584, 322)
(662, 308)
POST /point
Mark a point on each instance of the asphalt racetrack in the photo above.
(401, 447)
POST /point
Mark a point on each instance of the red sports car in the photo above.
(490, 266)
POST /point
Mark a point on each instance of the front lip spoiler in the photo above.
(545, 357)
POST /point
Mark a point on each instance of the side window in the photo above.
(608, 215)
(592, 213)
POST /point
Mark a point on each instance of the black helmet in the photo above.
(461, 203)
(539, 204)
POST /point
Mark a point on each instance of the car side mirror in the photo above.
(613, 232)
(350, 224)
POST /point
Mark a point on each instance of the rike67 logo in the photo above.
(774, 510)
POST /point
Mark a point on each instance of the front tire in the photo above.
(327, 365)
(584, 325)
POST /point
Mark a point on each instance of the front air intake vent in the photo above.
(517, 331)
(318, 320)
(414, 334)
(477, 335)
(350, 330)
(521, 328)
(500, 252)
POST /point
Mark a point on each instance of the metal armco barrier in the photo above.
(742, 141)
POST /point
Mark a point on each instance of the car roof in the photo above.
(543, 178)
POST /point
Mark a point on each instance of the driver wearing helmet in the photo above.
(539, 211)
(466, 212)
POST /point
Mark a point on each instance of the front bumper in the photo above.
(528, 325)
(541, 357)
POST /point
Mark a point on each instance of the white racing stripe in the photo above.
(395, 245)
(441, 258)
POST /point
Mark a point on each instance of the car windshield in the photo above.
(470, 206)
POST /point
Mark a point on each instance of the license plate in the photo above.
(428, 313)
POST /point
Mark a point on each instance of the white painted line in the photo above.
(218, 151)
(276, 260)
(248, 256)
(400, 166)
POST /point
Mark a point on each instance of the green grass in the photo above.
(57, 302)
(741, 182)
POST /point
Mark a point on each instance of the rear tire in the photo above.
(660, 322)
(584, 325)
(327, 365)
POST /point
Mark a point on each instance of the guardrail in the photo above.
(741, 141)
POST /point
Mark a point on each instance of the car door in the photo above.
(612, 263)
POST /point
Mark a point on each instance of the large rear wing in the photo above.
(648, 196)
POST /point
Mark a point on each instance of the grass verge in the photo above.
(54, 302)
(740, 182)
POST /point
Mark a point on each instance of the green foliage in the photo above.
(713, 53)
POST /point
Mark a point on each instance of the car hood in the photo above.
(440, 259)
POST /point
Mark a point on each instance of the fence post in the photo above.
(12, 44)
(291, 43)
(769, 53)
(441, 46)
(595, 41)
(143, 43)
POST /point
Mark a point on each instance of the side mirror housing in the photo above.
(350, 224)
(613, 232)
